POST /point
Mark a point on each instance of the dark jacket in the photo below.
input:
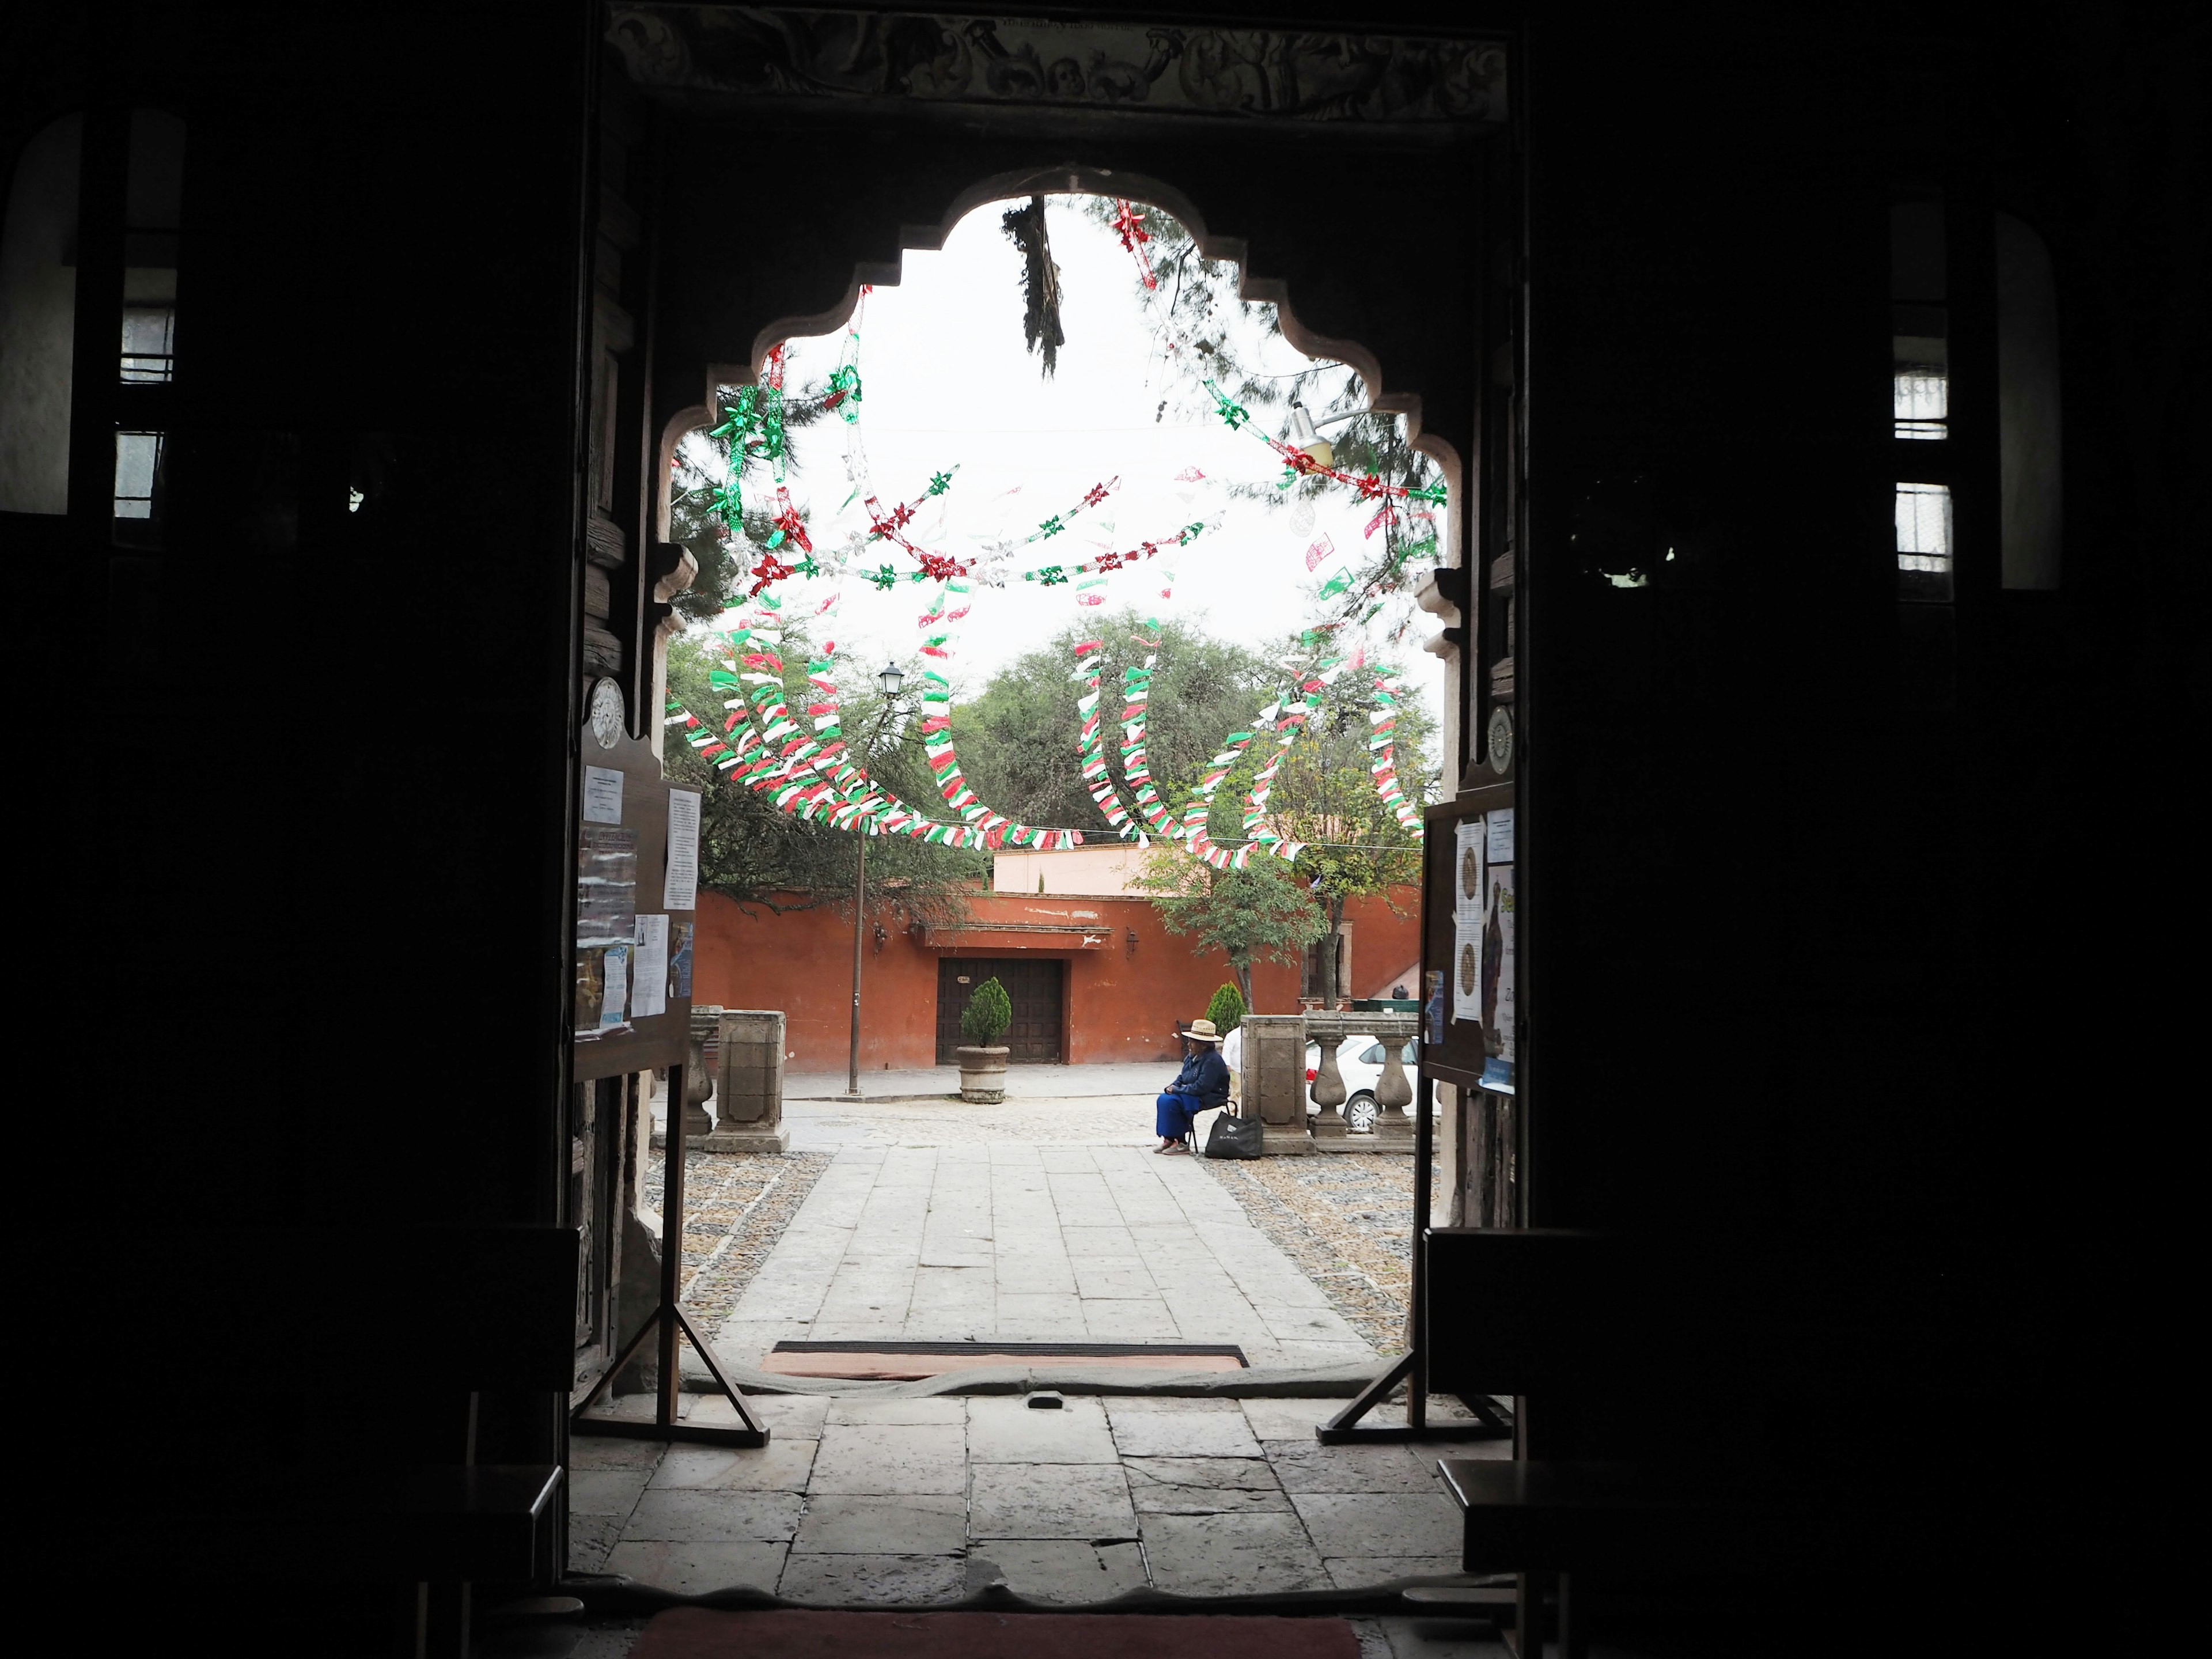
(1205, 1075)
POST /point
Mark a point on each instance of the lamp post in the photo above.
(890, 678)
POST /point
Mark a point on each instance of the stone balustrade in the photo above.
(1274, 1086)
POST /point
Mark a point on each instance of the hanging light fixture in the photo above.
(1303, 436)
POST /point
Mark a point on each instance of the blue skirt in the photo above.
(1176, 1112)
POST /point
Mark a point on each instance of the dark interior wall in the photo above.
(335, 876)
(1815, 958)
(861, 184)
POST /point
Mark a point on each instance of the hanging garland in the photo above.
(996, 828)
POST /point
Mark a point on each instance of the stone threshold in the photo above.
(1457, 1595)
(1259, 1383)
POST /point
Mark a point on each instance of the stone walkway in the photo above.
(917, 1501)
(1043, 1220)
(995, 1240)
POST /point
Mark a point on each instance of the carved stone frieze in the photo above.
(760, 51)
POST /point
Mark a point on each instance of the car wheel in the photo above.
(1360, 1113)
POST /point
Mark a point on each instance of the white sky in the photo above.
(947, 379)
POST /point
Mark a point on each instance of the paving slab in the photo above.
(1381, 1523)
(1056, 1570)
(1229, 1554)
(1172, 1428)
(1005, 1429)
(697, 1568)
(712, 1517)
(919, 1525)
(1292, 1418)
(606, 1492)
(591, 1538)
(944, 1410)
(1049, 1500)
(891, 1459)
(782, 1465)
(1305, 1466)
(830, 1580)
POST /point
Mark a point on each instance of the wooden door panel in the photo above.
(1035, 986)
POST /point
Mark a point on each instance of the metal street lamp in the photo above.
(891, 677)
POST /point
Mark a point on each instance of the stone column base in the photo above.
(1274, 1141)
(1403, 1147)
(741, 1138)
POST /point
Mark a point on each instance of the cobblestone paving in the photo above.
(736, 1206)
(1347, 1221)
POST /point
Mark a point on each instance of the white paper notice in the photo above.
(1467, 894)
(618, 985)
(602, 795)
(682, 889)
(1501, 835)
(1466, 970)
(650, 994)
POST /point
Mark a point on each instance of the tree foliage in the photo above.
(1226, 1009)
(1259, 913)
(1018, 738)
(765, 858)
(988, 1013)
(1324, 794)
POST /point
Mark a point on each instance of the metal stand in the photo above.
(1346, 1428)
(668, 1320)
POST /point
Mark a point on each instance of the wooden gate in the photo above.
(1033, 985)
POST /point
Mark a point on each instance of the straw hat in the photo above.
(1201, 1030)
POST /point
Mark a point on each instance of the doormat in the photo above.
(704, 1633)
(911, 1362)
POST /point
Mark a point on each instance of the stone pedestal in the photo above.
(1393, 1091)
(749, 1083)
(1329, 1093)
(983, 1074)
(1274, 1078)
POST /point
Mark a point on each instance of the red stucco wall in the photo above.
(1124, 1001)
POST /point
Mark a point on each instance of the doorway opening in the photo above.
(1037, 990)
(1083, 655)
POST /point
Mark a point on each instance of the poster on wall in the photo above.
(1467, 916)
(649, 992)
(1496, 959)
(680, 890)
(606, 927)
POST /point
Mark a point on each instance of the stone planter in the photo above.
(982, 1075)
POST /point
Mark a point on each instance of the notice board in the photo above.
(1469, 955)
(636, 898)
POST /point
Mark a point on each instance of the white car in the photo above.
(1359, 1063)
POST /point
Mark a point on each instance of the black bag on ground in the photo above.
(1233, 1137)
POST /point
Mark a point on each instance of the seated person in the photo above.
(1202, 1085)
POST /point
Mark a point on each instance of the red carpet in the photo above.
(703, 1633)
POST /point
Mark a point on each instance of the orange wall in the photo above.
(1124, 1001)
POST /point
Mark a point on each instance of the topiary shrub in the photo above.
(1226, 1010)
(988, 1013)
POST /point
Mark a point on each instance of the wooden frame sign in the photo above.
(637, 883)
(1468, 955)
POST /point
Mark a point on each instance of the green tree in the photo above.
(988, 1013)
(762, 857)
(1324, 795)
(1018, 739)
(1259, 913)
(1226, 1010)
